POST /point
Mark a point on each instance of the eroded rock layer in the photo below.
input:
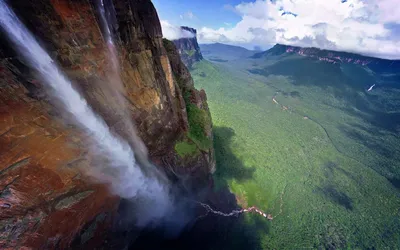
(45, 200)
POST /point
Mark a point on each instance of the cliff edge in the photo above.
(334, 57)
(46, 201)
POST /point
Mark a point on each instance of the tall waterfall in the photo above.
(127, 178)
(114, 87)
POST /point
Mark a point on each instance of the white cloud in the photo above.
(187, 15)
(173, 32)
(257, 9)
(389, 10)
(352, 25)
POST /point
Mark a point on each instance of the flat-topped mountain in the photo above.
(376, 64)
(188, 47)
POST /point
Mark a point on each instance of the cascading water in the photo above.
(127, 178)
(114, 87)
(115, 97)
(123, 173)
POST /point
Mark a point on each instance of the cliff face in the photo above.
(45, 201)
(334, 57)
(188, 48)
(199, 125)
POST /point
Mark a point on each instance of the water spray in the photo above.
(115, 88)
(127, 179)
(124, 176)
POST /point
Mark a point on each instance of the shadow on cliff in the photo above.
(218, 232)
(324, 75)
(210, 231)
(229, 167)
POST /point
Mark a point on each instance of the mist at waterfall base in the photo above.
(179, 215)
(138, 183)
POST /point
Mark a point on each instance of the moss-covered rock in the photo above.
(199, 124)
(186, 149)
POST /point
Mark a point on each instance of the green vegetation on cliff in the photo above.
(186, 149)
(198, 120)
(168, 45)
(197, 114)
(190, 52)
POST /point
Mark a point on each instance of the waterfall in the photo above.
(114, 87)
(127, 178)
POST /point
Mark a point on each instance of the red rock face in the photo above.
(45, 200)
(41, 187)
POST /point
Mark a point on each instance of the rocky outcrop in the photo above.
(46, 202)
(195, 147)
(188, 47)
(334, 57)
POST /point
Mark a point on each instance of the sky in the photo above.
(369, 27)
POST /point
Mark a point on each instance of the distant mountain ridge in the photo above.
(335, 57)
(224, 52)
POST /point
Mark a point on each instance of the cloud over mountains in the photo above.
(370, 27)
